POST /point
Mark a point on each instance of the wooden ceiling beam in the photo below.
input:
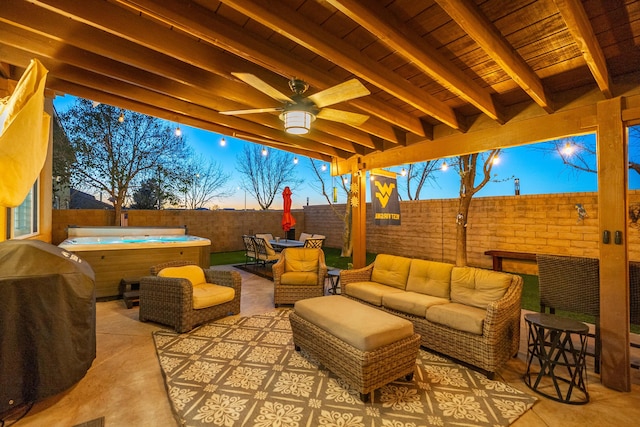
(391, 31)
(129, 26)
(64, 86)
(471, 19)
(49, 50)
(283, 20)
(577, 21)
(201, 23)
(141, 95)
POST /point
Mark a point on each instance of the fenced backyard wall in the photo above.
(546, 223)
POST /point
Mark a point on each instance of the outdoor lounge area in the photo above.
(125, 386)
(368, 94)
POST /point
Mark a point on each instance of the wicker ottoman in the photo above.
(367, 348)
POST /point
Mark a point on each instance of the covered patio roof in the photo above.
(445, 78)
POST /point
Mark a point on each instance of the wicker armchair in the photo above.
(299, 274)
(571, 284)
(169, 300)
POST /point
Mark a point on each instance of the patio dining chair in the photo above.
(265, 253)
(572, 284)
(250, 250)
(313, 242)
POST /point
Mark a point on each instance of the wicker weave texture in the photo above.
(365, 371)
(289, 294)
(169, 301)
(634, 292)
(569, 283)
(500, 338)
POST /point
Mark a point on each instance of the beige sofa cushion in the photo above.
(411, 302)
(458, 316)
(301, 259)
(430, 278)
(391, 270)
(478, 287)
(371, 292)
(304, 278)
(364, 327)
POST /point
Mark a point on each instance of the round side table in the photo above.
(558, 346)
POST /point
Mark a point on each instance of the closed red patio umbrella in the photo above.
(287, 219)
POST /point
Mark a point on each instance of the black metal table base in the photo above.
(562, 374)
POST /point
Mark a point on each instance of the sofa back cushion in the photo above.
(430, 278)
(478, 287)
(301, 259)
(391, 270)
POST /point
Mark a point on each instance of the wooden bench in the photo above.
(498, 256)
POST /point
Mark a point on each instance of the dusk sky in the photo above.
(539, 172)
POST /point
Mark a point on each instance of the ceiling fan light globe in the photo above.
(297, 122)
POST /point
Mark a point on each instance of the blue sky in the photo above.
(538, 172)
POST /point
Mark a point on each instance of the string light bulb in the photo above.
(323, 167)
(178, 131)
(121, 117)
(403, 172)
(496, 160)
(295, 160)
(568, 149)
(223, 142)
(264, 151)
(444, 166)
(345, 179)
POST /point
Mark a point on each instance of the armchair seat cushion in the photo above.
(303, 278)
(208, 294)
(458, 316)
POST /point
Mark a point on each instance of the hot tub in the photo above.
(118, 252)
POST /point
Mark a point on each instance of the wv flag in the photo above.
(384, 198)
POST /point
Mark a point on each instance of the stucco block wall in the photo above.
(538, 224)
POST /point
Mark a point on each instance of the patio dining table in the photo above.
(286, 243)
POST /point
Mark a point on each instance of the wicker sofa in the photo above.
(469, 314)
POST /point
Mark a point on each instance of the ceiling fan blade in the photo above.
(346, 117)
(252, 111)
(263, 87)
(350, 89)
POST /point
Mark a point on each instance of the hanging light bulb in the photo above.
(264, 151)
(223, 142)
(323, 167)
(444, 166)
(178, 131)
(345, 179)
(403, 172)
(568, 149)
(496, 160)
(121, 118)
(295, 160)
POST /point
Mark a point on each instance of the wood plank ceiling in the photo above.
(428, 64)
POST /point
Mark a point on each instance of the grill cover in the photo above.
(47, 321)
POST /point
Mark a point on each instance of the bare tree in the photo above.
(264, 176)
(420, 173)
(345, 216)
(467, 167)
(202, 180)
(112, 154)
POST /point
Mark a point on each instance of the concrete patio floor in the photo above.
(125, 385)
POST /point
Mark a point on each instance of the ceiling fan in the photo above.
(299, 111)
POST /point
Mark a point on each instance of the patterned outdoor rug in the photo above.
(243, 371)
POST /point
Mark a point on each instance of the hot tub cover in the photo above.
(47, 321)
